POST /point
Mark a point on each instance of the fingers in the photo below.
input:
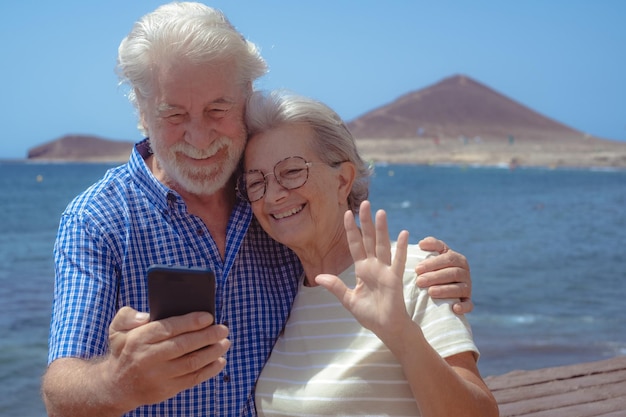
(449, 275)
(367, 229)
(207, 372)
(166, 356)
(156, 378)
(127, 319)
(373, 241)
(334, 285)
(126, 322)
(178, 336)
(355, 240)
(383, 244)
(449, 282)
(176, 325)
(446, 276)
(205, 359)
(449, 259)
(399, 260)
(182, 361)
(165, 339)
(456, 290)
(465, 306)
(431, 244)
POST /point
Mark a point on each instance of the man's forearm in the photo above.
(73, 387)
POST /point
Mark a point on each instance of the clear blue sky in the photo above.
(563, 58)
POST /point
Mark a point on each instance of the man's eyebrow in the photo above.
(224, 100)
(165, 107)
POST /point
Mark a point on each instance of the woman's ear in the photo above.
(347, 175)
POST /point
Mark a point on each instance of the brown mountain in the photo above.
(458, 106)
(424, 127)
(82, 148)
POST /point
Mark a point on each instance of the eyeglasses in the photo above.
(290, 173)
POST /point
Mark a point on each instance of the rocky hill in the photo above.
(85, 148)
(461, 121)
(455, 107)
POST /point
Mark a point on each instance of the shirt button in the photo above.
(200, 232)
(226, 378)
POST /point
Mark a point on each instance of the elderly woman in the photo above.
(361, 337)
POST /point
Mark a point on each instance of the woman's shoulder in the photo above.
(414, 255)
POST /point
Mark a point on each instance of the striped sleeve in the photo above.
(447, 332)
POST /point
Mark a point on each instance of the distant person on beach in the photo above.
(174, 202)
(373, 344)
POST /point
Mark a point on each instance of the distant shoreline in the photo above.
(375, 161)
(585, 153)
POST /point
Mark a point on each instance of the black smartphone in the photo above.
(178, 290)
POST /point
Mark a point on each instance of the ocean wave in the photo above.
(530, 318)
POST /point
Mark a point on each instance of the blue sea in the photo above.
(547, 251)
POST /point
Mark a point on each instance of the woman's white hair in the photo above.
(333, 141)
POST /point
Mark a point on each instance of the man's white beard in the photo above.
(198, 180)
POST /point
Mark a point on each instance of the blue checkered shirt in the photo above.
(112, 232)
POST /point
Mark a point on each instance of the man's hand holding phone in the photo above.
(152, 359)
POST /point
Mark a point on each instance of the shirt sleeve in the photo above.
(447, 332)
(85, 290)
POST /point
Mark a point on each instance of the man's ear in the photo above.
(142, 125)
(347, 175)
(140, 103)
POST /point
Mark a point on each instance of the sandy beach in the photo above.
(582, 153)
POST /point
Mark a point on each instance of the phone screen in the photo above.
(178, 290)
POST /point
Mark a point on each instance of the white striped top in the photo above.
(326, 364)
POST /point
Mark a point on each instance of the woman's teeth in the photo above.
(287, 213)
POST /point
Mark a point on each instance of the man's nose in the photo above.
(200, 133)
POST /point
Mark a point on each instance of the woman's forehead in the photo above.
(281, 142)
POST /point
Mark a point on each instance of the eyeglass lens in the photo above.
(290, 173)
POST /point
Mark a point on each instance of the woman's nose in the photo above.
(273, 190)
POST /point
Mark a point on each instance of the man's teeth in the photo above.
(201, 157)
(288, 213)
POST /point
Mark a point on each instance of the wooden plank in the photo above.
(613, 407)
(556, 387)
(581, 390)
(519, 378)
(596, 399)
(619, 413)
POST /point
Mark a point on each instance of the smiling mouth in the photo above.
(288, 213)
(201, 157)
